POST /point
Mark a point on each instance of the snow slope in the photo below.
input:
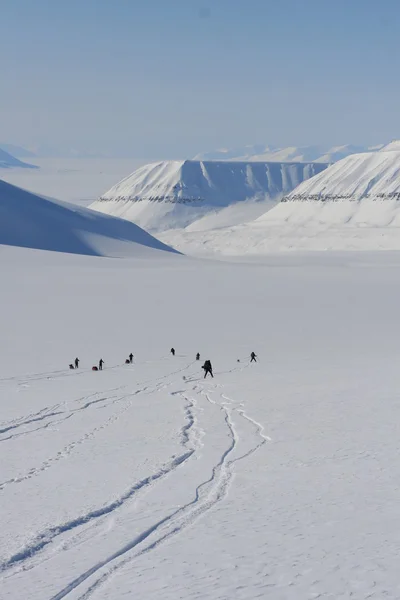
(354, 205)
(35, 222)
(370, 175)
(323, 154)
(7, 161)
(174, 194)
(276, 480)
(17, 151)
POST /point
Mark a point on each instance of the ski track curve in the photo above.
(67, 450)
(207, 495)
(43, 539)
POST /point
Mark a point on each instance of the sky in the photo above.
(164, 79)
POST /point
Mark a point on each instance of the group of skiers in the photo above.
(75, 364)
(207, 367)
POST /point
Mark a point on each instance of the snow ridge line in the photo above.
(179, 519)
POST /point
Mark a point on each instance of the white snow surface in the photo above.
(174, 194)
(32, 221)
(352, 205)
(259, 152)
(275, 480)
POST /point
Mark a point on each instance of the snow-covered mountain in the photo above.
(32, 221)
(373, 175)
(8, 161)
(174, 194)
(354, 204)
(17, 151)
(323, 154)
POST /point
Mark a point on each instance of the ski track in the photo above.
(48, 536)
(67, 415)
(24, 420)
(66, 451)
(207, 495)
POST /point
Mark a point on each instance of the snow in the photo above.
(352, 205)
(7, 161)
(275, 480)
(76, 180)
(35, 222)
(258, 152)
(175, 194)
(368, 175)
(17, 151)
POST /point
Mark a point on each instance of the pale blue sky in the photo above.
(170, 78)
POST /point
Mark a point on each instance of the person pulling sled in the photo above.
(131, 358)
(76, 363)
(101, 363)
(173, 351)
(207, 368)
(253, 357)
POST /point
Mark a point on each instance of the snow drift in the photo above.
(32, 221)
(174, 194)
(352, 205)
(8, 161)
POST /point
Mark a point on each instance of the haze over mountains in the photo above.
(259, 152)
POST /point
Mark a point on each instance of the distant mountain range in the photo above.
(261, 153)
(173, 194)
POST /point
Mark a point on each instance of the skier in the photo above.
(198, 356)
(101, 363)
(131, 357)
(253, 357)
(173, 351)
(76, 363)
(207, 368)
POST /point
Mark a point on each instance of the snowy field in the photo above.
(277, 480)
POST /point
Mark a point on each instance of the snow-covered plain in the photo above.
(275, 480)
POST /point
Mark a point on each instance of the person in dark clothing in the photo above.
(207, 368)
(173, 351)
(198, 356)
(131, 357)
(253, 356)
(101, 363)
(76, 363)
